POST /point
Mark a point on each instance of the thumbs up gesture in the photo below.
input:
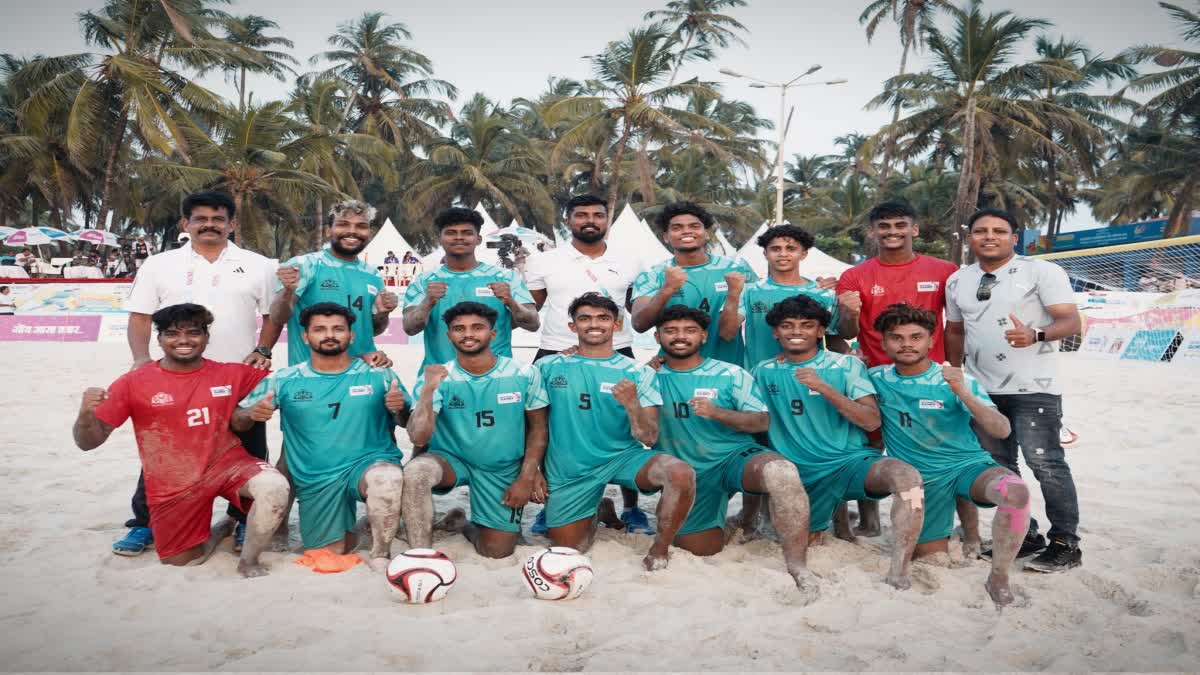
(393, 400)
(264, 409)
(1019, 335)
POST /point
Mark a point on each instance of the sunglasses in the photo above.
(986, 282)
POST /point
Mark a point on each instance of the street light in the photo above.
(783, 87)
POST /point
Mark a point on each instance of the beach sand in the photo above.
(68, 603)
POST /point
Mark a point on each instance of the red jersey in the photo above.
(920, 282)
(180, 420)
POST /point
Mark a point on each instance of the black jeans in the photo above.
(1036, 421)
(543, 353)
(255, 442)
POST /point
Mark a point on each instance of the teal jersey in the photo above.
(704, 443)
(331, 421)
(469, 286)
(705, 290)
(481, 418)
(326, 278)
(926, 424)
(588, 427)
(805, 427)
(759, 297)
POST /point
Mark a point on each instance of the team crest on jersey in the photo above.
(161, 398)
(361, 390)
(302, 395)
(759, 307)
(218, 392)
(558, 382)
(931, 404)
(704, 393)
(329, 285)
(510, 397)
(927, 286)
(456, 403)
(772, 389)
(878, 290)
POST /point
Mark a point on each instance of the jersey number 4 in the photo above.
(354, 303)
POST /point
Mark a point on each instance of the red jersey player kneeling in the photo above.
(181, 406)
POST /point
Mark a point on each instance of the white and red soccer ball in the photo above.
(421, 575)
(557, 573)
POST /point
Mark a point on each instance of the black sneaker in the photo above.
(1059, 556)
(1029, 547)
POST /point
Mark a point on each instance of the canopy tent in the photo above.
(388, 238)
(97, 237)
(489, 225)
(720, 244)
(36, 236)
(817, 264)
(632, 237)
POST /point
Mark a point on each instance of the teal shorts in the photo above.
(578, 498)
(328, 509)
(487, 489)
(714, 488)
(844, 483)
(941, 489)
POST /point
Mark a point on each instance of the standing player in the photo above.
(603, 411)
(461, 278)
(181, 406)
(335, 274)
(927, 414)
(821, 403)
(559, 276)
(897, 274)
(1007, 313)
(234, 284)
(709, 410)
(692, 278)
(784, 247)
(338, 414)
(484, 419)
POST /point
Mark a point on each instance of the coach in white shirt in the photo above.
(234, 284)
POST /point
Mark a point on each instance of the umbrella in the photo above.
(5, 231)
(36, 236)
(97, 237)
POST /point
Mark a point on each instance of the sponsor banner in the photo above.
(1149, 345)
(77, 328)
(1189, 348)
(1106, 342)
(70, 298)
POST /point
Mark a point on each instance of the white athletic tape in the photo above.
(915, 497)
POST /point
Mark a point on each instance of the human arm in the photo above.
(423, 419)
(863, 411)
(539, 296)
(731, 318)
(524, 315)
(420, 300)
(381, 314)
(989, 419)
(955, 337)
(396, 402)
(89, 431)
(646, 308)
(1065, 323)
(849, 309)
(137, 333)
(527, 487)
(643, 420)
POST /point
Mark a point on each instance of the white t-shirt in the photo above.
(1023, 287)
(565, 274)
(237, 289)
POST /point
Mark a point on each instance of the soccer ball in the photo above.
(421, 575)
(557, 573)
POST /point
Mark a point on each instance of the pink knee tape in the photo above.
(1017, 516)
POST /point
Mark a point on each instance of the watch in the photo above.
(1039, 335)
(265, 351)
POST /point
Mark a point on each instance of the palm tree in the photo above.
(249, 34)
(701, 22)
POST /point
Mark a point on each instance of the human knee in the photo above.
(384, 480)
(1014, 492)
(422, 473)
(270, 487)
(780, 475)
(681, 476)
(905, 477)
(495, 549)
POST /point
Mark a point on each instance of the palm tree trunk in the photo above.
(615, 174)
(242, 93)
(319, 225)
(963, 204)
(679, 61)
(1052, 193)
(889, 148)
(237, 222)
(110, 168)
(1180, 218)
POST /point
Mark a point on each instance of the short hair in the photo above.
(585, 200)
(457, 215)
(901, 314)
(790, 231)
(471, 308)
(683, 313)
(211, 198)
(681, 209)
(593, 299)
(893, 208)
(181, 314)
(995, 213)
(798, 307)
(326, 309)
(351, 206)
(3, 288)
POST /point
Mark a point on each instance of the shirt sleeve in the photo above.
(535, 272)
(847, 282)
(978, 391)
(115, 409)
(535, 393)
(953, 313)
(269, 385)
(744, 302)
(744, 267)
(415, 294)
(1054, 286)
(143, 297)
(858, 383)
(520, 291)
(835, 314)
(647, 283)
(746, 394)
(267, 286)
(647, 387)
(250, 377)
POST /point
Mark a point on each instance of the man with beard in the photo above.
(338, 414)
(181, 406)
(603, 410)
(234, 284)
(709, 410)
(692, 278)
(484, 419)
(335, 274)
(586, 264)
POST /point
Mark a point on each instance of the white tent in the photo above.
(489, 225)
(632, 237)
(720, 245)
(817, 264)
(388, 238)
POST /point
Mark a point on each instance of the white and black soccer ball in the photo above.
(557, 573)
(421, 575)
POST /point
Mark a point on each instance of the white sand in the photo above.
(67, 603)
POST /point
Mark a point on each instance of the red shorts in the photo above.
(185, 521)
(875, 438)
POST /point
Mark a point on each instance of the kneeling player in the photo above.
(709, 410)
(484, 419)
(181, 406)
(338, 414)
(821, 404)
(927, 413)
(603, 411)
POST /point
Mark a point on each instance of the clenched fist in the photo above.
(625, 392)
(674, 278)
(809, 378)
(850, 302)
(385, 302)
(736, 282)
(502, 291)
(289, 276)
(955, 378)
(92, 398)
(435, 290)
(434, 376)
(702, 407)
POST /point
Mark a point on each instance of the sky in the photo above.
(509, 49)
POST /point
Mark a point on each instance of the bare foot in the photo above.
(454, 521)
(868, 529)
(972, 549)
(841, 524)
(901, 582)
(607, 515)
(656, 559)
(379, 563)
(737, 531)
(806, 583)
(251, 570)
(999, 590)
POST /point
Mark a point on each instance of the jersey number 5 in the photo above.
(585, 401)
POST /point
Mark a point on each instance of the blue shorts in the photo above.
(714, 488)
(941, 491)
(487, 490)
(844, 483)
(329, 509)
(578, 498)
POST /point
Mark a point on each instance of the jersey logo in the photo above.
(371, 290)
(218, 392)
(484, 292)
(238, 270)
(329, 285)
(759, 307)
(721, 286)
(511, 397)
(558, 382)
(606, 387)
(931, 404)
(302, 395)
(704, 393)
(772, 389)
(456, 403)
(161, 398)
(878, 290)
(361, 390)
(927, 286)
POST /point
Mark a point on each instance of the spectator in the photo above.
(8, 304)
(391, 259)
(141, 251)
(411, 258)
(26, 259)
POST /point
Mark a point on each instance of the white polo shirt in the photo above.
(565, 273)
(1023, 287)
(237, 289)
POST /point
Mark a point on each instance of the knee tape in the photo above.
(1018, 516)
(915, 497)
